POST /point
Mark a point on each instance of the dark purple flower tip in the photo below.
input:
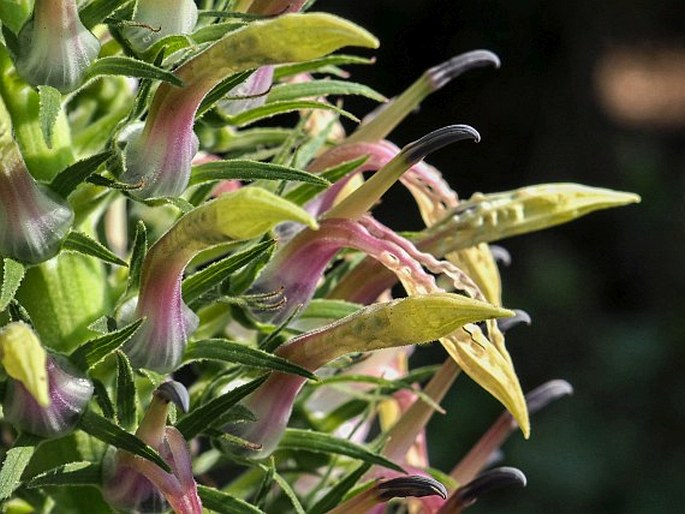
(419, 149)
(521, 316)
(413, 485)
(442, 74)
(541, 396)
(501, 255)
(175, 392)
(489, 481)
(69, 391)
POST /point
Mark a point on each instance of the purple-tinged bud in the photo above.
(133, 484)
(69, 392)
(488, 481)
(521, 317)
(158, 19)
(55, 49)
(275, 7)
(33, 219)
(250, 94)
(159, 157)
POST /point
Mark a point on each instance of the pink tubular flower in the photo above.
(132, 483)
(55, 49)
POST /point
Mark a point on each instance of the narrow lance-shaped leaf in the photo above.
(49, 107)
(12, 275)
(86, 245)
(72, 474)
(130, 67)
(127, 399)
(224, 503)
(251, 170)
(92, 352)
(15, 462)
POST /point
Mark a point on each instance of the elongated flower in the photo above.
(33, 219)
(134, 484)
(274, 7)
(158, 19)
(469, 493)
(46, 394)
(55, 49)
(160, 342)
(159, 157)
(414, 320)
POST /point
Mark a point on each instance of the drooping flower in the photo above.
(413, 320)
(46, 394)
(159, 156)
(160, 342)
(134, 484)
(33, 219)
(55, 48)
(158, 19)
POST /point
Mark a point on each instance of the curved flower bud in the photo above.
(250, 94)
(46, 394)
(55, 48)
(249, 212)
(413, 320)
(275, 7)
(132, 483)
(158, 19)
(467, 495)
(33, 219)
(159, 157)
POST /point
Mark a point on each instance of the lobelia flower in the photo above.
(417, 319)
(160, 155)
(33, 219)
(46, 394)
(158, 19)
(134, 484)
(159, 343)
(55, 48)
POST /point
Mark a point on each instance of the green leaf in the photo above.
(251, 170)
(66, 180)
(97, 10)
(287, 70)
(305, 192)
(50, 103)
(341, 414)
(127, 400)
(224, 503)
(71, 474)
(338, 492)
(319, 442)
(130, 67)
(103, 400)
(204, 416)
(16, 460)
(92, 352)
(137, 256)
(85, 245)
(203, 281)
(316, 88)
(274, 108)
(285, 487)
(12, 275)
(107, 432)
(228, 351)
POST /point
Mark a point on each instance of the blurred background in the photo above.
(590, 92)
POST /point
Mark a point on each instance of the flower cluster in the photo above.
(152, 234)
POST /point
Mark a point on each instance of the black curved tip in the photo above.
(435, 140)
(175, 392)
(541, 396)
(412, 485)
(489, 481)
(440, 75)
(521, 316)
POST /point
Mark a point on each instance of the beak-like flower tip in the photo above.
(541, 396)
(447, 71)
(500, 254)
(175, 392)
(519, 317)
(414, 485)
(489, 481)
(55, 48)
(419, 149)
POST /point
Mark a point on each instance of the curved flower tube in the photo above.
(159, 343)
(46, 394)
(159, 157)
(33, 219)
(160, 18)
(414, 320)
(134, 484)
(55, 49)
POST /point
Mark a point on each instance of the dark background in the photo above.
(605, 292)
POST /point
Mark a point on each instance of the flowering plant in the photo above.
(197, 307)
